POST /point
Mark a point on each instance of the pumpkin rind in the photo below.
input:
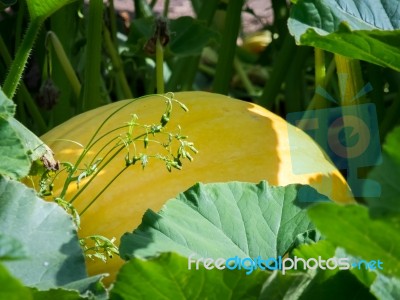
(237, 141)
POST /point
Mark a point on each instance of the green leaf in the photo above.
(342, 285)
(388, 176)
(34, 145)
(366, 30)
(392, 145)
(11, 248)
(187, 35)
(11, 288)
(168, 277)
(18, 145)
(46, 232)
(224, 220)
(59, 294)
(353, 229)
(190, 36)
(14, 160)
(330, 284)
(7, 107)
(44, 8)
(314, 286)
(386, 288)
(88, 287)
(287, 286)
(322, 248)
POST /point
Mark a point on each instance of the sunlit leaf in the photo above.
(224, 220)
(353, 229)
(366, 30)
(44, 8)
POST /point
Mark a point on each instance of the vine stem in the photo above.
(227, 50)
(350, 83)
(17, 68)
(320, 77)
(92, 76)
(117, 63)
(159, 67)
(243, 77)
(281, 65)
(317, 102)
(24, 94)
(65, 63)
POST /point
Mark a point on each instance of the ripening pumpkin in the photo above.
(236, 140)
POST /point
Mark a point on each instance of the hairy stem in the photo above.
(18, 65)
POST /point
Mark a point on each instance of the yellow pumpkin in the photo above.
(236, 140)
(257, 42)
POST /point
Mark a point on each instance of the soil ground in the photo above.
(177, 8)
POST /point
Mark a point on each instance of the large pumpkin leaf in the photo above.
(11, 248)
(366, 30)
(18, 164)
(18, 145)
(224, 220)
(168, 277)
(388, 175)
(46, 232)
(7, 107)
(361, 236)
(33, 145)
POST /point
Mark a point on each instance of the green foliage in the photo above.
(39, 246)
(363, 236)
(17, 140)
(43, 9)
(52, 259)
(388, 174)
(12, 288)
(11, 248)
(368, 30)
(17, 166)
(167, 277)
(235, 219)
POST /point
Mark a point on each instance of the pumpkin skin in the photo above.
(237, 141)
